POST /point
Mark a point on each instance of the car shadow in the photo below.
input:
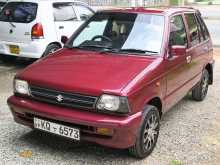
(17, 63)
(90, 152)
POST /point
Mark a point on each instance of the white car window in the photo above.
(84, 12)
(19, 12)
(2, 4)
(64, 12)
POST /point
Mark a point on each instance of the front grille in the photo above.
(63, 98)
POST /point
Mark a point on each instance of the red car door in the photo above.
(198, 48)
(176, 64)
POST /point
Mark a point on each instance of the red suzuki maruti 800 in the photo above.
(116, 76)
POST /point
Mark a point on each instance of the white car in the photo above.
(33, 28)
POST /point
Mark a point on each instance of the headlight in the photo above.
(113, 103)
(21, 87)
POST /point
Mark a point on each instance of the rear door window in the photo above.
(64, 12)
(19, 12)
(193, 29)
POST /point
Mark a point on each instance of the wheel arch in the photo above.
(209, 68)
(157, 102)
(50, 44)
(55, 43)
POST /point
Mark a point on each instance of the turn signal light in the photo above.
(104, 131)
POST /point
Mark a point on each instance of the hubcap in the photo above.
(205, 84)
(151, 132)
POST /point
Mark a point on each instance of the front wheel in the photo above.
(148, 133)
(201, 89)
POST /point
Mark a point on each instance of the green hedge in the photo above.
(174, 2)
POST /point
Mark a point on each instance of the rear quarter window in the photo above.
(19, 12)
(64, 12)
(84, 12)
(203, 28)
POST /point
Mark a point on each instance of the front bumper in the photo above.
(124, 127)
(33, 49)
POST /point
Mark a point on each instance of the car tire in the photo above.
(199, 92)
(8, 58)
(147, 134)
(51, 49)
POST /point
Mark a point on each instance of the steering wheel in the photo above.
(102, 37)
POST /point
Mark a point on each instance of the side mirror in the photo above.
(177, 50)
(64, 39)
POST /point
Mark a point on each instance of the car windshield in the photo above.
(19, 12)
(128, 33)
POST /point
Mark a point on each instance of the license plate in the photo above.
(57, 129)
(14, 49)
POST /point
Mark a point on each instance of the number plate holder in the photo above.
(57, 129)
(14, 49)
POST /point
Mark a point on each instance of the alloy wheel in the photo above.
(205, 84)
(151, 132)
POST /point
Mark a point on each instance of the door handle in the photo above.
(189, 59)
(61, 27)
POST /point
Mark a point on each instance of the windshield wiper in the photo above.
(86, 46)
(108, 50)
(12, 24)
(70, 19)
(8, 19)
(94, 46)
(137, 51)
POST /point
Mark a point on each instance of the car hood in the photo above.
(85, 72)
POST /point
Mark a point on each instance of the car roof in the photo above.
(51, 1)
(160, 10)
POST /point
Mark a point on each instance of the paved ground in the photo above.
(190, 134)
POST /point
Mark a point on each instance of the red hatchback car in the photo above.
(116, 76)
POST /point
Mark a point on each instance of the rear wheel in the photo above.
(201, 89)
(51, 49)
(148, 133)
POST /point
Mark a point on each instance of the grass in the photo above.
(174, 2)
(175, 162)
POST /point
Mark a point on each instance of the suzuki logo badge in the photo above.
(59, 98)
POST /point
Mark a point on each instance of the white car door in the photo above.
(65, 19)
